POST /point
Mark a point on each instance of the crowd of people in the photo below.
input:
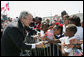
(68, 31)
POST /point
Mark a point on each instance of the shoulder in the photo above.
(11, 26)
(79, 28)
(79, 31)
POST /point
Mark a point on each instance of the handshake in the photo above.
(41, 44)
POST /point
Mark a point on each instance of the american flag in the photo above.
(78, 53)
(2, 8)
(5, 8)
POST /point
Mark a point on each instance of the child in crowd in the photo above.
(55, 32)
(44, 28)
(58, 33)
(58, 30)
(70, 32)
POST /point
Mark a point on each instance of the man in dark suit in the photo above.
(14, 34)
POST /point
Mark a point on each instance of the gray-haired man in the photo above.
(14, 35)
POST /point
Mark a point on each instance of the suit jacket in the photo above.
(13, 39)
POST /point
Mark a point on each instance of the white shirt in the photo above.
(33, 45)
(66, 40)
(79, 33)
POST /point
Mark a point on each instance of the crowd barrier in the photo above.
(48, 50)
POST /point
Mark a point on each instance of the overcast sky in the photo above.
(43, 8)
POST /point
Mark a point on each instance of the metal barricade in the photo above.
(47, 51)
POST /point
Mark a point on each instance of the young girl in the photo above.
(58, 33)
(58, 30)
(55, 33)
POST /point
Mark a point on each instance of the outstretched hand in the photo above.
(40, 44)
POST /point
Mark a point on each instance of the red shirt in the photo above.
(38, 26)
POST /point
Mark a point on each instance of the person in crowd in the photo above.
(65, 22)
(14, 35)
(76, 20)
(38, 25)
(63, 13)
(53, 33)
(58, 30)
(58, 33)
(44, 28)
(48, 21)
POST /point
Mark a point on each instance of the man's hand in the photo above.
(40, 45)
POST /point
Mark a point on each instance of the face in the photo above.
(65, 21)
(27, 21)
(45, 28)
(38, 21)
(68, 33)
(57, 31)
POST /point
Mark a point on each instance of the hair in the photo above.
(59, 27)
(24, 14)
(66, 16)
(44, 24)
(63, 13)
(72, 28)
(76, 20)
(39, 18)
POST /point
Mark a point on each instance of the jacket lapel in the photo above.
(22, 29)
